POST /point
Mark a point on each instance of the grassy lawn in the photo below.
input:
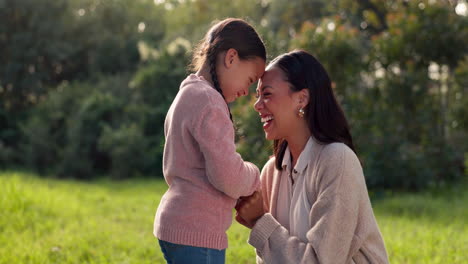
(58, 221)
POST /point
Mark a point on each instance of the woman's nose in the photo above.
(258, 104)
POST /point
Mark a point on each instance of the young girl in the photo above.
(204, 172)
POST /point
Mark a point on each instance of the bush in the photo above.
(408, 126)
(127, 148)
(155, 85)
(113, 126)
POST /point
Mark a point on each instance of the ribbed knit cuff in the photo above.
(262, 230)
(196, 239)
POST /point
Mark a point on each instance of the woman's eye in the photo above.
(257, 95)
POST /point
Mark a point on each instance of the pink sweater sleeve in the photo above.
(225, 169)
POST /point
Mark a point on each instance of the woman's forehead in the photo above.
(273, 75)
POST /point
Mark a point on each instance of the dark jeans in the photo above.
(182, 254)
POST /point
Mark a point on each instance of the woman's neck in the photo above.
(297, 142)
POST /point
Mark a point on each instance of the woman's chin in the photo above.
(269, 136)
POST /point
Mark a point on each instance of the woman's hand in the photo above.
(250, 209)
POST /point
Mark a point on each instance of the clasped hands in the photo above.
(250, 209)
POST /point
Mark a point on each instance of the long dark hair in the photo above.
(229, 33)
(226, 34)
(324, 116)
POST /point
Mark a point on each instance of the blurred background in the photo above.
(85, 84)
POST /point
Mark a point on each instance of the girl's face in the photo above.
(235, 75)
(278, 105)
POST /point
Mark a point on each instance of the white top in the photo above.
(293, 206)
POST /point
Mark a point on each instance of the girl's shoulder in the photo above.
(196, 87)
(196, 93)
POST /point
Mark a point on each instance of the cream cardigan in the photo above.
(342, 226)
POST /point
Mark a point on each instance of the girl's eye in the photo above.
(266, 94)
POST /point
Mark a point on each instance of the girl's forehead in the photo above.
(259, 66)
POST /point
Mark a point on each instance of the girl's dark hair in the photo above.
(324, 116)
(229, 33)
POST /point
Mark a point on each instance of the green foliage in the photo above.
(458, 112)
(32, 48)
(421, 35)
(126, 147)
(63, 132)
(340, 49)
(44, 42)
(191, 19)
(111, 126)
(399, 112)
(414, 89)
(82, 154)
(85, 85)
(8, 135)
(155, 86)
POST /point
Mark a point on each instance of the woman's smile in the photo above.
(267, 120)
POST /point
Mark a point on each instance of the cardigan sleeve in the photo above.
(332, 218)
(266, 181)
(225, 168)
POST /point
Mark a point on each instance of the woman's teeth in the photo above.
(266, 119)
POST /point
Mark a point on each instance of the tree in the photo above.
(44, 43)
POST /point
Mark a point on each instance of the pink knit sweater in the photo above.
(204, 172)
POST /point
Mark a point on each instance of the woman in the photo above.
(314, 206)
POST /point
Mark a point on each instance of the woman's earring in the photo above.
(301, 113)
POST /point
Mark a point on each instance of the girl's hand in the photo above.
(250, 209)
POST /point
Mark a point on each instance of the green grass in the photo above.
(64, 221)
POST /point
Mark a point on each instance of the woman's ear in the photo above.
(303, 97)
(231, 56)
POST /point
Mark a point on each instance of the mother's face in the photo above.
(277, 105)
